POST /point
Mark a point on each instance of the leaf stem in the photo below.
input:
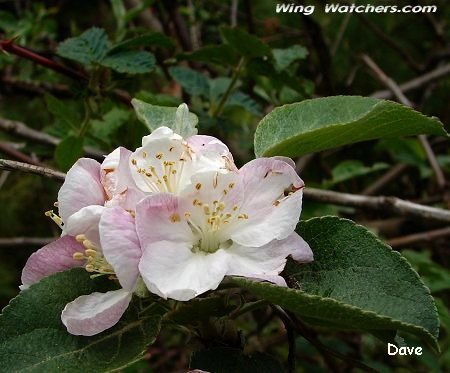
(234, 78)
(248, 308)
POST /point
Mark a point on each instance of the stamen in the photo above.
(80, 238)
(78, 256)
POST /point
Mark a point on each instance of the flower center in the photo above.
(163, 172)
(211, 223)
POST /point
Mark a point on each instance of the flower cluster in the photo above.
(174, 218)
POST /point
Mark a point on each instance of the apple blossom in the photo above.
(236, 223)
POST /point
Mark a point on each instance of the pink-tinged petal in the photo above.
(211, 153)
(172, 270)
(55, 257)
(92, 314)
(272, 202)
(81, 188)
(161, 217)
(85, 222)
(120, 245)
(267, 262)
(288, 160)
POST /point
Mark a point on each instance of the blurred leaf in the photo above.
(144, 40)
(68, 151)
(90, 47)
(436, 277)
(226, 360)
(243, 100)
(180, 120)
(324, 123)
(221, 54)
(33, 338)
(284, 57)
(356, 282)
(193, 82)
(244, 43)
(63, 111)
(109, 124)
(350, 169)
(158, 99)
(130, 62)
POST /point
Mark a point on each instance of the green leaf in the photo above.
(68, 151)
(110, 123)
(356, 282)
(244, 43)
(63, 112)
(217, 54)
(350, 169)
(241, 99)
(33, 338)
(324, 123)
(90, 47)
(193, 82)
(130, 62)
(178, 119)
(226, 360)
(284, 57)
(144, 40)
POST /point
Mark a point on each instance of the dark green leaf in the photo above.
(350, 169)
(68, 151)
(217, 54)
(356, 282)
(179, 119)
(243, 100)
(244, 43)
(63, 112)
(145, 40)
(109, 124)
(90, 47)
(193, 82)
(130, 62)
(33, 338)
(226, 360)
(284, 57)
(314, 125)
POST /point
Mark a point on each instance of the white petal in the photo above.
(267, 262)
(172, 270)
(120, 245)
(81, 188)
(85, 222)
(271, 215)
(161, 217)
(55, 257)
(92, 314)
(212, 154)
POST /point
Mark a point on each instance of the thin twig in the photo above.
(22, 130)
(382, 203)
(234, 12)
(6, 164)
(25, 241)
(419, 237)
(340, 34)
(16, 154)
(393, 86)
(385, 179)
(416, 82)
(326, 196)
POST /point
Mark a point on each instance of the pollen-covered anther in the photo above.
(198, 186)
(90, 252)
(89, 268)
(174, 218)
(80, 238)
(134, 162)
(243, 216)
(159, 155)
(58, 221)
(78, 256)
(89, 245)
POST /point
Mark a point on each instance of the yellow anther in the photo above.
(231, 185)
(90, 252)
(89, 268)
(78, 256)
(242, 216)
(165, 178)
(134, 162)
(206, 209)
(198, 186)
(174, 172)
(49, 213)
(225, 191)
(144, 154)
(276, 203)
(56, 204)
(148, 174)
(171, 148)
(228, 216)
(235, 207)
(187, 215)
(80, 237)
(159, 155)
(221, 206)
(89, 245)
(174, 218)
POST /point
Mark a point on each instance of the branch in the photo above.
(416, 82)
(386, 178)
(22, 130)
(393, 204)
(393, 86)
(9, 165)
(25, 241)
(419, 237)
(326, 196)
(16, 154)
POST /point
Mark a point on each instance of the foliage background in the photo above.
(325, 53)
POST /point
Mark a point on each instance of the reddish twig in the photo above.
(419, 237)
(10, 47)
(16, 154)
